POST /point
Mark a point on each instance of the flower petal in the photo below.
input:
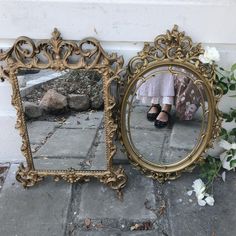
(203, 59)
(190, 192)
(210, 200)
(223, 175)
(224, 144)
(233, 145)
(200, 196)
(198, 186)
(201, 202)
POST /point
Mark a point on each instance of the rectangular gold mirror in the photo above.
(63, 94)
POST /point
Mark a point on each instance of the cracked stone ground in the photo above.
(92, 209)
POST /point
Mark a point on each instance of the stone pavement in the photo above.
(92, 209)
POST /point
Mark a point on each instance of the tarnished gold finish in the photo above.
(173, 49)
(59, 54)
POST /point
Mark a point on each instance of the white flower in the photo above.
(226, 155)
(203, 198)
(199, 188)
(211, 54)
(225, 163)
(226, 145)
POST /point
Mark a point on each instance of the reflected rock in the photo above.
(78, 102)
(32, 110)
(53, 101)
(97, 102)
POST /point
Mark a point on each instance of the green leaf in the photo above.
(232, 163)
(233, 67)
(229, 158)
(233, 132)
(233, 113)
(223, 131)
(224, 87)
(232, 87)
(225, 115)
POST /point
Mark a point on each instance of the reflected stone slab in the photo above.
(138, 118)
(185, 134)
(174, 155)
(62, 164)
(39, 130)
(99, 162)
(149, 143)
(88, 120)
(70, 143)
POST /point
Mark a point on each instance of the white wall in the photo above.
(122, 26)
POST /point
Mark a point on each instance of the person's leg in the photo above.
(153, 111)
(163, 119)
(154, 108)
(162, 115)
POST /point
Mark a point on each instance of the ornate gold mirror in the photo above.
(169, 113)
(64, 94)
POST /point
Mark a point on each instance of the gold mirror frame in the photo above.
(56, 52)
(173, 49)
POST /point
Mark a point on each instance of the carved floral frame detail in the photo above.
(59, 54)
(172, 49)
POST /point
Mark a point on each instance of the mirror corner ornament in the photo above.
(55, 54)
(173, 49)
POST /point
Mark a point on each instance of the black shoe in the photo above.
(163, 124)
(153, 116)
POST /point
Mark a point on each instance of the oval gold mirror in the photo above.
(169, 114)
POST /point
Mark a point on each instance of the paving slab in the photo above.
(173, 155)
(100, 202)
(99, 162)
(149, 143)
(10, 141)
(112, 233)
(69, 143)
(39, 210)
(142, 233)
(95, 233)
(186, 217)
(61, 164)
(138, 118)
(39, 130)
(185, 134)
(121, 156)
(86, 120)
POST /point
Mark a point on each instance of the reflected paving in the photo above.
(166, 145)
(64, 118)
(76, 142)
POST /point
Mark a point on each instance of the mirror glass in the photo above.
(64, 118)
(179, 92)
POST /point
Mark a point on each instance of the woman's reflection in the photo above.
(163, 89)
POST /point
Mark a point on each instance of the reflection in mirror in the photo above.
(64, 118)
(154, 135)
